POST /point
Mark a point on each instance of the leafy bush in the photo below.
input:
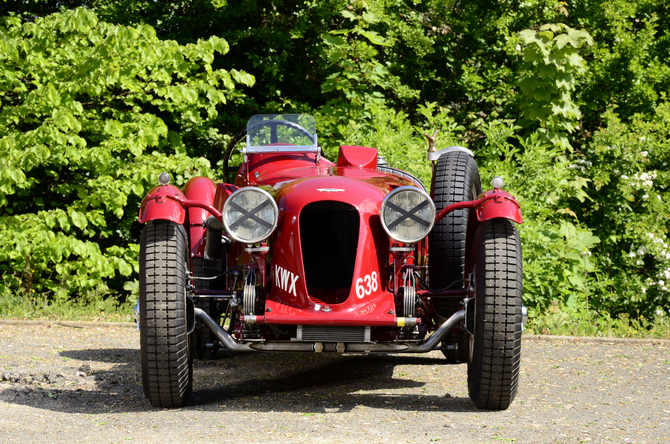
(87, 307)
(402, 144)
(577, 321)
(628, 165)
(91, 113)
(578, 130)
(552, 64)
(556, 246)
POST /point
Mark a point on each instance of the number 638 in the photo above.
(366, 285)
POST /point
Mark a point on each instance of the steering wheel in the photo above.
(242, 134)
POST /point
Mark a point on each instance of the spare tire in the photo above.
(456, 180)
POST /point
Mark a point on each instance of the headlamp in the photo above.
(250, 215)
(408, 214)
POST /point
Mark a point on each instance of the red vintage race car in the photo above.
(301, 254)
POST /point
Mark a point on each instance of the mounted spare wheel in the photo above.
(456, 180)
(495, 347)
(167, 364)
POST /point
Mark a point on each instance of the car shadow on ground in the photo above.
(322, 383)
(126, 356)
(307, 383)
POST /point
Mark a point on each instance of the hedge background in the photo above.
(568, 102)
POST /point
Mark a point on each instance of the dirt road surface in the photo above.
(61, 384)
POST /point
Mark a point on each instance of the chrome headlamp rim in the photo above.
(231, 232)
(431, 204)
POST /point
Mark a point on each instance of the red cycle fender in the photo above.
(489, 205)
(500, 204)
(493, 204)
(156, 206)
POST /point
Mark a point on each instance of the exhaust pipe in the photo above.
(439, 334)
(282, 346)
(220, 333)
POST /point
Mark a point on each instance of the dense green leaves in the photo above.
(629, 168)
(552, 66)
(567, 101)
(91, 112)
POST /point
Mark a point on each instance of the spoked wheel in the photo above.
(456, 180)
(167, 364)
(495, 348)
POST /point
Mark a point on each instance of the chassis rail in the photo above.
(306, 347)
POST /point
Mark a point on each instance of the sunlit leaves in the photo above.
(357, 81)
(85, 127)
(629, 169)
(552, 66)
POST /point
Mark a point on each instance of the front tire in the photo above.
(493, 367)
(167, 364)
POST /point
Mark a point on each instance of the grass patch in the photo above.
(92, 307)
(565, 321)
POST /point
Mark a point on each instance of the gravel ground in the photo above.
(67, 384)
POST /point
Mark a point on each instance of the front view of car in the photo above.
(303, 254)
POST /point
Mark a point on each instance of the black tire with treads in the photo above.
(456, 180)
(493, 367)
(167, 365)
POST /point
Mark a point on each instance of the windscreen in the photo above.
(296, 130)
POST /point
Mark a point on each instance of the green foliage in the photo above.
(401, 143)
(552, 66)
(89, 306)
(359, 82)
(556, 246)
(629, 67)
(572, 114)
(628, 165)
(91, 112)
(278, 41)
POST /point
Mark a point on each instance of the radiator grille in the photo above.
(333, 334)
(329, 239)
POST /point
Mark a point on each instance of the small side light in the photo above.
(497, 182)
(164, 179)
